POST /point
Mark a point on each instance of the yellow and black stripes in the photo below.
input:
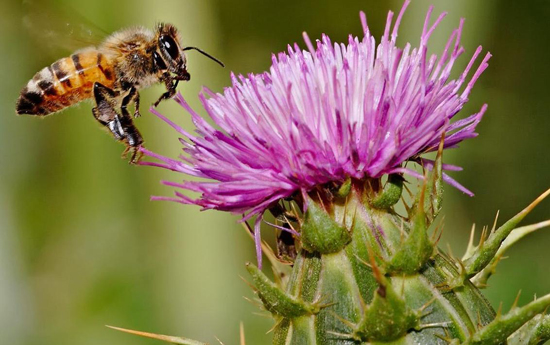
(66, 82)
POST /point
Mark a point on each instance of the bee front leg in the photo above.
(171, 85)
(133, 95)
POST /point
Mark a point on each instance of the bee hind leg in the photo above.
(121, 126)
(134, 153)
(133, 137)
(105, 110)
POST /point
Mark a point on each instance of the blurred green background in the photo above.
(82, 246)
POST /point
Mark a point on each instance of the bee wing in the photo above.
(59, 30)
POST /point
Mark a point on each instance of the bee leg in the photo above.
(134, 153)
(170, 87)
(121, 125)
(136, 105)
(133, 137)
(133, 95)
(105, 112)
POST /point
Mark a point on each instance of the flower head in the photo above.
(334, 111)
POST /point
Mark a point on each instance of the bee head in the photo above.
(169, 55)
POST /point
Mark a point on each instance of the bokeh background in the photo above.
(81, 245)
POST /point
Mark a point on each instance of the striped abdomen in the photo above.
(66, 82)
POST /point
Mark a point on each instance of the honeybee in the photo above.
(111, 74)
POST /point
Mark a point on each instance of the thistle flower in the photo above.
(322, 129)
(337, 111)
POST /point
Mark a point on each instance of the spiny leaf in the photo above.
(486, 251)
(503, 326)
(480, 279)
(534, 332)
(391, 193)
(166, 338)
(434, 185)
(276, 300)
(280, 270)
(321, 233)
(416, 249)
(344, 189)
(388, 317)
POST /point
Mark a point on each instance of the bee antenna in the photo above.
(204, 53)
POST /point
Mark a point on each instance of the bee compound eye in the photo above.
(170, 46)
(158, 61)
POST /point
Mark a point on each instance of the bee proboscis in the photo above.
(111, 74)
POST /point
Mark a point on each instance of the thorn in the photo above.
(479, 323)
(481, 285)
(515, 304)
(255, 302)
(345, 212)
(264, 315)
(277, 323)
(376, 272)
(295, 212)
(495, 223)
(326, 305)
(274, 326)
(352, 225)
(426, 305)
(439, 228)
(401, 232)
(241, 334)
(319, 302)
(166, 338)
(405, 205)
(450, 252)
(443, 287)
(341, 335)
(247, 283)
(363, 261)
(219, 341)
(321, 201)
(483, 237)
(434, 325)
(499, 311)
(471, 247)
(446, 338)
(342, 320)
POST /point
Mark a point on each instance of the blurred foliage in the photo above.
(81, 246)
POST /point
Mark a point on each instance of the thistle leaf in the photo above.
(388, 317)
(534, 332)
(480, 279)
(321, 233)
(390, 194)
(487, 251)
(503, 326)
(276, 300)
(416, 249)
